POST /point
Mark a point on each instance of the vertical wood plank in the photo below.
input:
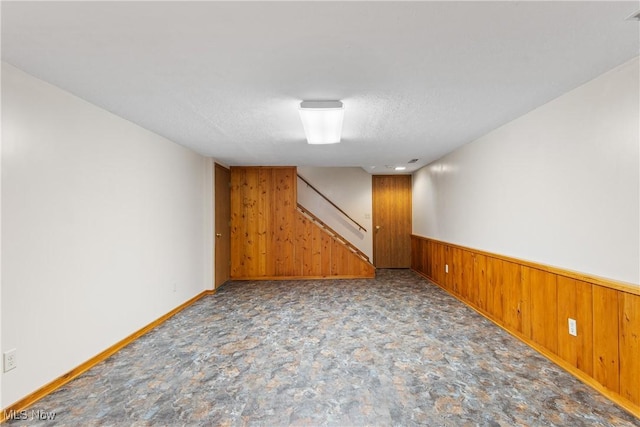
(284, 210)
(430, 259)
(264, 260)
(326, 255)
(278, 225)
(245, 212)
(629, 346)
(495, 289)
(575, 302)
(247, 239)
(515, 307)
(479, 286)
(237, 223)
(437, 263)
(315, 266)
(425, 256)
(467, 275)
(544, 311)
(526, 296)
(302, 248)
(456, 270)
(339, 259)
(417, 258)
(605, 337)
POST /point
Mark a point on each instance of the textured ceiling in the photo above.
(418, 79)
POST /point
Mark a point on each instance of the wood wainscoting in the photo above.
(272, 239)
(534, 302)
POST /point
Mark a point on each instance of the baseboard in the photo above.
(49, 388)
(303, 277)
(629, 406)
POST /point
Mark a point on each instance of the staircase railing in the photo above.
(332, 204)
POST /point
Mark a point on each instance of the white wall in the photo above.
(347, 187)
(559, 185)
(105, 227)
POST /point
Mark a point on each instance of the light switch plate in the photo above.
(573, 327)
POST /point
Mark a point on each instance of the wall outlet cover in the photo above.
(9, 360)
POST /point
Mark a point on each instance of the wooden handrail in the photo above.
(333, 232)
(332, 204)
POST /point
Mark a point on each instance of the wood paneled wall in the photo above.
(271, 239)
(534, 303)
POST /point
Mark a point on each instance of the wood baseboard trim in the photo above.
(629, 406)
(303, 277)
(49, 388)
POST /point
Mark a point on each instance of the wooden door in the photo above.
(222, 227)
(392, 221)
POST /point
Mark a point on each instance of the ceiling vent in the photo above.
(412, 161)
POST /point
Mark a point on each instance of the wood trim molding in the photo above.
(343, 276)
(49, 388)
(596, 280)
(260, 167)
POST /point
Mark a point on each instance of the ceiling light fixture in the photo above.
(322, 121)
(400, 168)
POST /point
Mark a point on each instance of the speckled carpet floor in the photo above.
(390, 351)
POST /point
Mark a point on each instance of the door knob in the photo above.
(377, 227)
(218, 234)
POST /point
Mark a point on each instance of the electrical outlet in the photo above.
(9, 360)
(446, 268)
(573, 327)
